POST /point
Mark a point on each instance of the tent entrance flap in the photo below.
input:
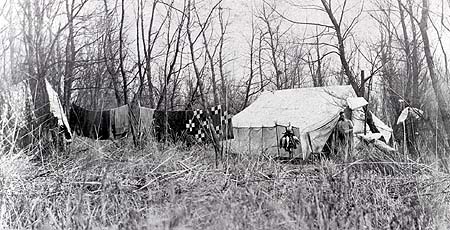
(319, 136)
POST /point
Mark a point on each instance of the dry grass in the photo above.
(96, 185)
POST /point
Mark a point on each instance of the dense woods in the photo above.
(195, 54)
(171, 55)
(182, 54)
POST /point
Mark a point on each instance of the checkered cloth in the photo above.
(197, 125)
(221, 122)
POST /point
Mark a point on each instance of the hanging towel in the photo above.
(92, 124)
(145, 120)
(57, 111)
(120, 121)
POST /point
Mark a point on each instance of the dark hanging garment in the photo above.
(222, 122)
(76, 119)
(104, 130)
(158, 119)
(176, 124)
(92, 124)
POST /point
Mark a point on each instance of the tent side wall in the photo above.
(261, 141)
(264, 140)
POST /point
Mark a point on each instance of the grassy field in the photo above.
(97, 185)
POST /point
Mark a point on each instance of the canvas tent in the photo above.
(313, 113)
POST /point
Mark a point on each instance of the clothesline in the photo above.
(117, 123)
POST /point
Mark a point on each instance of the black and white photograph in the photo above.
(224, 114)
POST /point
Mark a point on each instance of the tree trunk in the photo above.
(173, 62)
(442, 103)
(121, 56)
(109, 55)
(250, 78)
(359, 89)
(341, 49)
(222, 75)
(138, 95)
(260, 62)
(148, 56)
(70, 58)
(319, 76)
(411, 65)
(415, 69)
(213, 72)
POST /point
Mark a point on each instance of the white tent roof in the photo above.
(304, 108)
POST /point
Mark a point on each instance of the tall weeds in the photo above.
(96, 185)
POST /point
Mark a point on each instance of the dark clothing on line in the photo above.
(222, 122)
(92, 124)
(176, 122)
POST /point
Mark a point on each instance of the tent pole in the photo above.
(276, 133)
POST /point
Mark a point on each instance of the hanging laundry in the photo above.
(159, 117)
(92, 124)
(197, 125)
(120, 121)
(176, 124)
(57, 111)
(222, 122)
(193, 123)
(145, 120)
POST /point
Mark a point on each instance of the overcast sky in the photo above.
(240, 16)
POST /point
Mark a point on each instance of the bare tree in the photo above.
(152, 37)
(191, 43)
(442, 102)
(315, 64)
(121, 54)
(210, 57)
(251, 68)
(268, 17)
(260, 63)
(110, 51)
(223, 29)
(175, 37)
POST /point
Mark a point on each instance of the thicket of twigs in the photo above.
(100, 184)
